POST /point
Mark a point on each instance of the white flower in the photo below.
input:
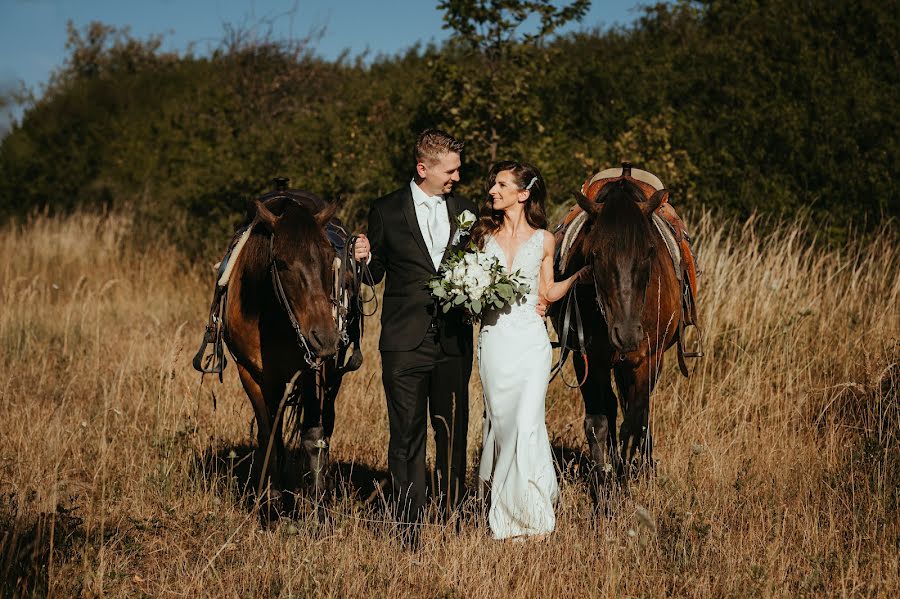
(475, 289)
(465, 219)
(464, 222)
(482, 279)
(459, 273)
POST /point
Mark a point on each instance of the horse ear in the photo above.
(265, 216)
(656, 200)
(326, 214)
(592, 208)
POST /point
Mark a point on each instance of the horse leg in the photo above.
(635, 386)
(266, 458)
(318, 422)
(600, 412)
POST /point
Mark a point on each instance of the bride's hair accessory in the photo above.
(528, 187)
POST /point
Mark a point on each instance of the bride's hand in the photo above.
(584, 275)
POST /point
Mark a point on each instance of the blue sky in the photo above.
(33, 32)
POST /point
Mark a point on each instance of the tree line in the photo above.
(774, 107)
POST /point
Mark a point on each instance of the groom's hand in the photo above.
(361, 248)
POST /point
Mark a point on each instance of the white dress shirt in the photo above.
(421, 201)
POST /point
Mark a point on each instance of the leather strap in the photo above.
(571, 305)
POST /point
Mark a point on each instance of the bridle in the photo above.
(600, 304)
(340, 300)
(309, 356)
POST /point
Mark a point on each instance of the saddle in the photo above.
(670, 226)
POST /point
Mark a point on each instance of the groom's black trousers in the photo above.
(418, 382)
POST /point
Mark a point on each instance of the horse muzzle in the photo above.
(323, 341)
(627, 342)
(626, 338)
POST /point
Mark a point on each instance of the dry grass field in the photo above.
(778, 468)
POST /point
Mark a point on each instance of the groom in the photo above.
(426, 355)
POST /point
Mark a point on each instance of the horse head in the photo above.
(619, 246)
(302, 263)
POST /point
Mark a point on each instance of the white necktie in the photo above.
(438, 230)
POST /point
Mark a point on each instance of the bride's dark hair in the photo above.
(524, 174)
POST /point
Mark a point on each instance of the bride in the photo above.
(514, 356)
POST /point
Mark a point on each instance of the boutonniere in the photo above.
(464, 222)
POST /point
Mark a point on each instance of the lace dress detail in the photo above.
(514, 362)
(528, 262)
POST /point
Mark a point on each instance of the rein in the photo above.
(571, 304)
(361, 274)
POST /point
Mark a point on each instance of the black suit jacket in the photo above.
(400, 252)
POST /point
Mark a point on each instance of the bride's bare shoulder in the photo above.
(549, 240)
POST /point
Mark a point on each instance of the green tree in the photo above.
(767, 106)
(485, 78)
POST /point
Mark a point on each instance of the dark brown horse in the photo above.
(631, 316)
(280, 323)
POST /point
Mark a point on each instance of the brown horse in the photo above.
(280, 329)
(631, 316)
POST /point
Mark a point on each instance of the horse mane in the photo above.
(304, 224)
(255, 254)
(621, 225)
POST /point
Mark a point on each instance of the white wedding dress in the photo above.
(514, 362)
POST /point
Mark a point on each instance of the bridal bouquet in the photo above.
(472, 280)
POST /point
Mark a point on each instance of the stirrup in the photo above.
(689, 308)
(698, 351)
(215, 361)
(683, 354)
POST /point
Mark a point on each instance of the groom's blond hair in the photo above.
(432, 144)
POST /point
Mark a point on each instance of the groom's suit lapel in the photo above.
(409, 211)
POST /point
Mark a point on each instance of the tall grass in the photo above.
(778, 458)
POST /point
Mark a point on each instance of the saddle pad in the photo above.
(571, 232)
(665, 230)
(232, 257)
